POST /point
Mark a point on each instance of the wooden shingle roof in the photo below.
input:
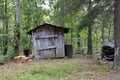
(50, 25)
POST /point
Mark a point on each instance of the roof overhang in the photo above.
(45, 24)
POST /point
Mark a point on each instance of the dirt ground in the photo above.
(83, 68)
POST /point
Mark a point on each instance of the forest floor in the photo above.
(77, 68)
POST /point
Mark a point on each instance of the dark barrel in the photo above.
(68, 51)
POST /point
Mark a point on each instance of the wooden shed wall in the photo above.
(60, 52)
(48, 42)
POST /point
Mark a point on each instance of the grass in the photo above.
(56, 69)
(52, 71)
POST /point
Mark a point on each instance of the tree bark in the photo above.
(89, 46)
(17, 29)
(78, 40)
(78, 43)
(109, 31)
(117, 25)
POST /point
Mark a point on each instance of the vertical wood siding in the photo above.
(48, 42)
(60, 44)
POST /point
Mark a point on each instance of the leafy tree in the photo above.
(73, 14)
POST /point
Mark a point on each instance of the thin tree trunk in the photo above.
(71, 35)
(78, 40)
(102, 32)
(78, 43)
(5, 29)
(103, 27)
(17, 30)
(89, 46)
(109, 31)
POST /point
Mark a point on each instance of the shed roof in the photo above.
(50, 25)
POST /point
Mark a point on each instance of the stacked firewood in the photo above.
(22, 59)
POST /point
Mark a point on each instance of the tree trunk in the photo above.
(109, 31)
(89, 46)
(89, 51)
(17, 29)
(78, 43)
(117, 25)
(116, 61)
(78, 40)
(5, 29)
(102, 30)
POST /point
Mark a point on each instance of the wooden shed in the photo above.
(48, 41)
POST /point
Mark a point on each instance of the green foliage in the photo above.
(91, 15)
(9, 56)
(73, 14)
(25, 41)
(2, 58)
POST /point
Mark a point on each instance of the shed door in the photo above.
(46, 46)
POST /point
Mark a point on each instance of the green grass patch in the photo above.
(104, 70)
(55, 71)
(40, 77)
(88, 73)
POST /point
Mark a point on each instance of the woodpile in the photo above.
(107, 51)
(22, 59)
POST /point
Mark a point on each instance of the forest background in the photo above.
(90, 22)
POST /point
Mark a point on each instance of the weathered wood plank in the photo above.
(47, 48)
(60, 52)
(35, 44)
(46, 54)
(43, 37)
